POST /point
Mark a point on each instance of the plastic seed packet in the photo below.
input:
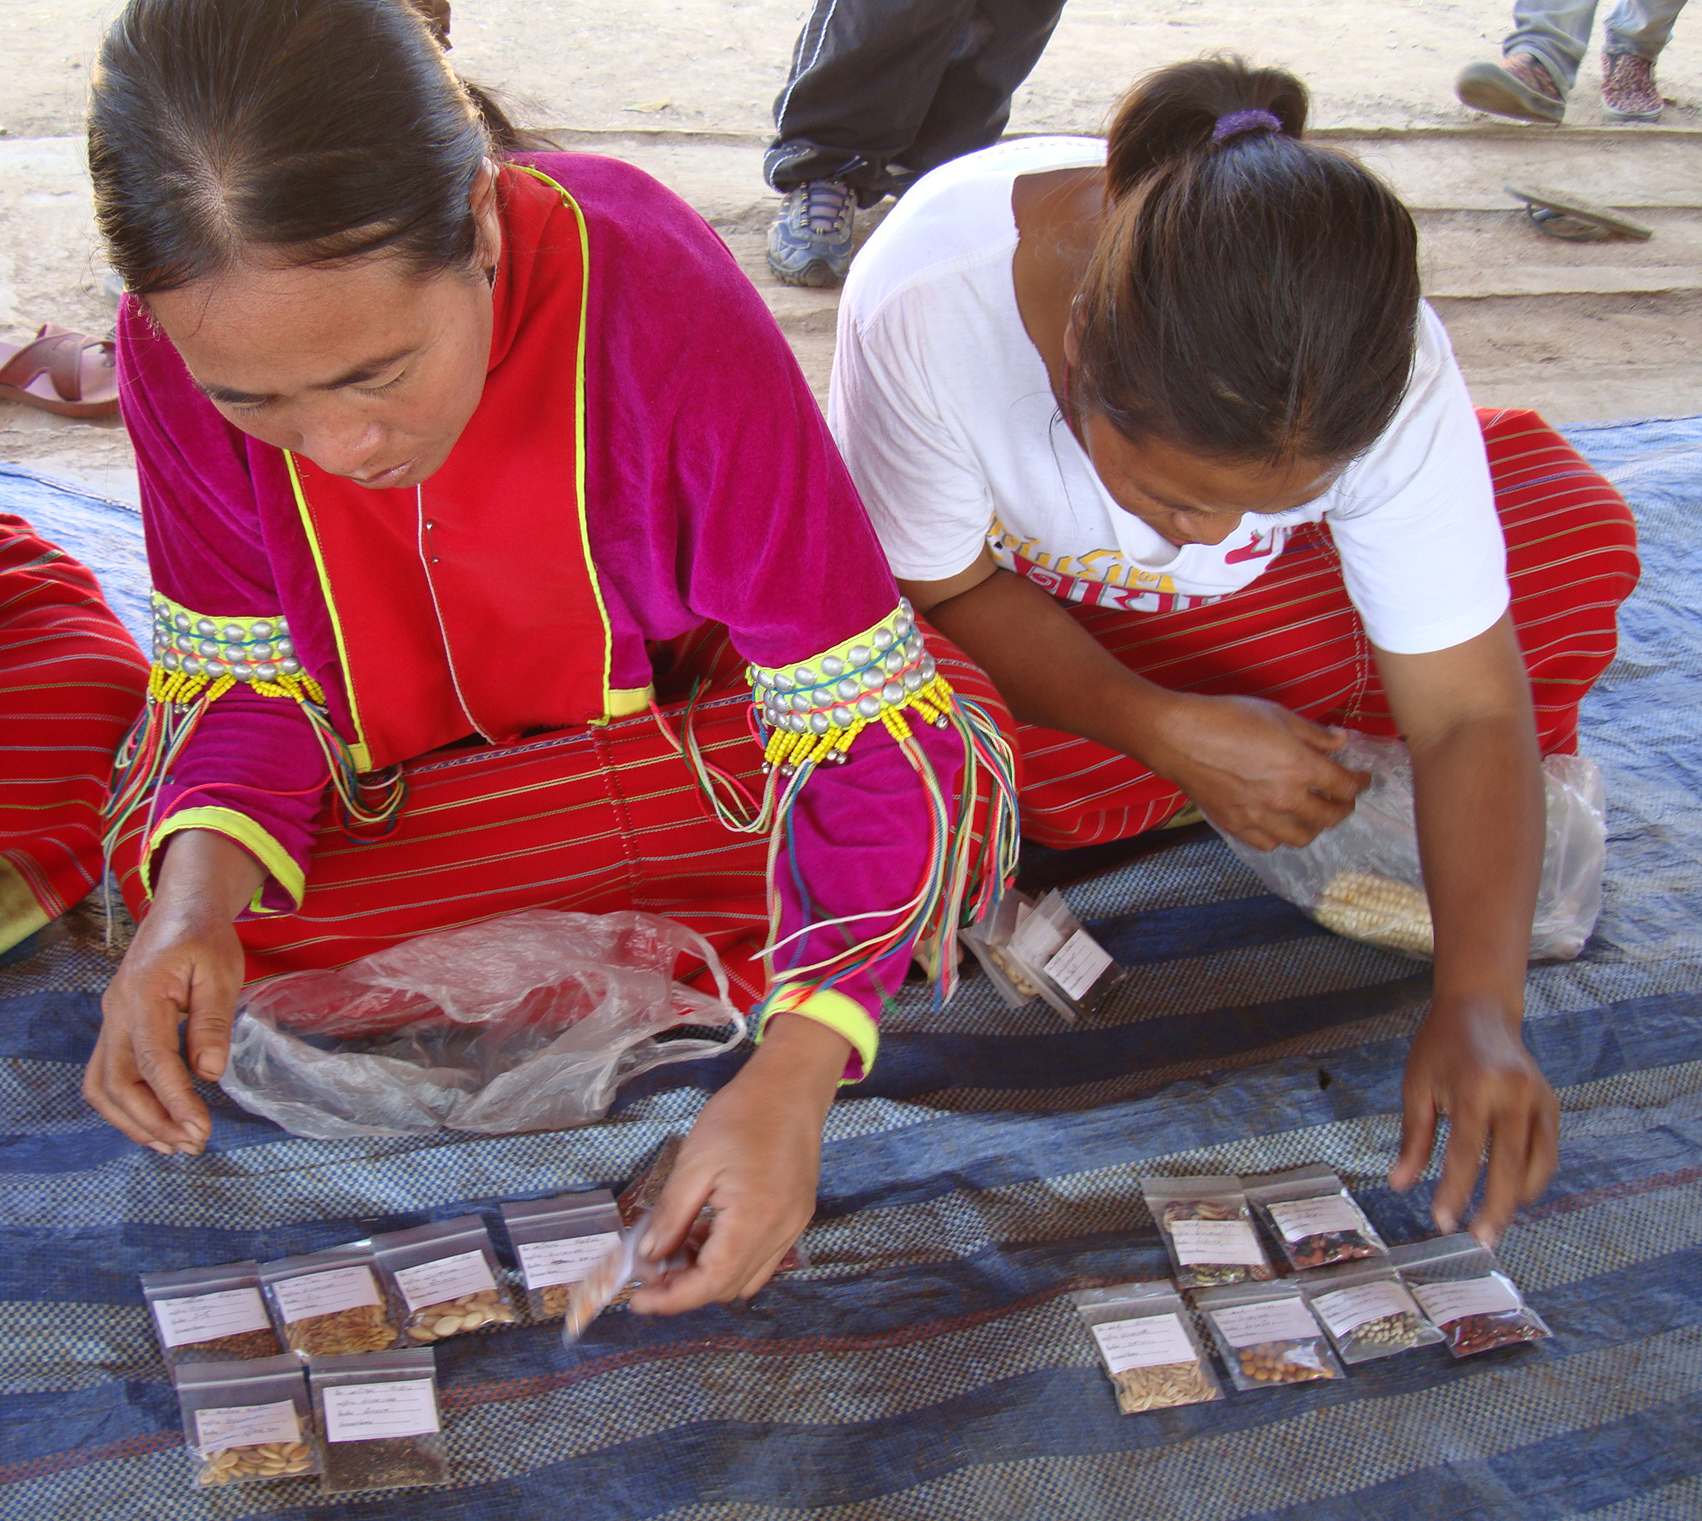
(1035, 950)
(614, 1275)
(560, 1242)
(210, 1315)
(330, 1303)
(1464, 1290)
(247, 1422)
(1312, 1217)
(1207, 1229)
(445, 1276)
(1267, 1335)
(379, 1420)
(1148, 1346)
(1368, 1311)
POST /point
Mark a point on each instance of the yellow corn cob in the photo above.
(1377, 911)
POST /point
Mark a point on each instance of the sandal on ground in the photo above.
(59, 371)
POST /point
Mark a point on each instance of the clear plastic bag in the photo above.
(1362, 878)
(379, 1419)
(330, 1303)
(1148, 1346)
(1465, 1291)
(1207, 1230)
(1040, 950)
(1368, 1311)
(247, 1422)
(528, 1022)
(446, 1277)
(1312, 1217)
(210, 1314)
(1267, 1335)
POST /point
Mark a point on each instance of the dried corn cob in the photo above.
(1378, 911)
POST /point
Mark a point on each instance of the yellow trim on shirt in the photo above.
(623, 702)
(841, 1014)
(251, 836)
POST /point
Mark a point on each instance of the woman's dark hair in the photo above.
(1252, 296)
(331, 128)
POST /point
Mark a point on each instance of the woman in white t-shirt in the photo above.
(1161, 434)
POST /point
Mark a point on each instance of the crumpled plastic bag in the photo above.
(1362, 878)
(527, 1022)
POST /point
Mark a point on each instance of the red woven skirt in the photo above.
(71, 684)
(1294, 637)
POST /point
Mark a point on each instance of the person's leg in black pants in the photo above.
(881, 91)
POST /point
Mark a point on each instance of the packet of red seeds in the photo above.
(1466, 1292)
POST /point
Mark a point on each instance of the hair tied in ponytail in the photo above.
(1240, 123)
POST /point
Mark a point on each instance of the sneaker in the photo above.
(1628, 88)
(1519, 86)
(809, 242)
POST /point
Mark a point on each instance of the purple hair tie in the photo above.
(1239, 122)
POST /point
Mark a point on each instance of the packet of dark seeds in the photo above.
(446, 1276)
(330, 1303)
(1147, 1343)
(210, 1315)
(1207, 1228)
(1040, 950)
(1466, 1292)
(1313, 1217)
(378, 1416)
(247, 1422)
(558, 1243)
(1267, 1335)
(1367, 1310)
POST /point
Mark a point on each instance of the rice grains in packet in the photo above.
(330, 1303)
(1367, 1310)
(210, 1315)
(446, 1277)
(1266, 1335)
(558, 1243)
(247, 1422)
(1148, 1346)
(1207, 1229)
(1464, 1290)
(1313, 1217)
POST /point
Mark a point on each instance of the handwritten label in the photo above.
(1300, 1218)
(1202, 1241)
(247, 1426)
(1346, 1310)
(1036, 939)
(1079, 964)
(1247, 1325)
(547, 1263)
(346, 1288)
(1151, 1341)
(1444, 1302)
(446, 1278)
(202, 1317)
(365, 1412)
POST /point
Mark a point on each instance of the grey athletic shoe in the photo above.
(809, 242)
(1519, 86)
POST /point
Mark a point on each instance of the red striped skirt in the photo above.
(1294, 637)
(71, 684)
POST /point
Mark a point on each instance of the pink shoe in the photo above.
(1628, 88)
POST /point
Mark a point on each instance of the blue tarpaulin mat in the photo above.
(928, 1364)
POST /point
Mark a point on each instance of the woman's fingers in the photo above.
(1545, 1149)
(1468, 1129)
(1419, 1117)
(1510, 1139)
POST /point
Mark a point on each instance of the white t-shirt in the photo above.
(942, 407)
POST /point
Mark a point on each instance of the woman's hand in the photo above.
(183, 969)
(1468, 1062)
(1264, 774)
(754, 1157)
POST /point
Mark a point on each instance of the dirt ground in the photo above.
(684, 88)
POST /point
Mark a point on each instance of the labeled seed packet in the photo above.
(1146, 1341)
(330, 1303)
(247, 1422)
(1312, 1217)
(1040, 950)
(210, 1315)
(1207, 1229)
(559, 1242)
(1368, 1311)
(1463, 1288)
(1267, 1335)
(379, 1420)
(446, 1277)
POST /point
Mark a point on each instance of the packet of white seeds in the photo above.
(1035, 950)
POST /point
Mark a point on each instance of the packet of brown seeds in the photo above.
(558, 1243)
(210, 1314)
(330, 1303)
(1147, 1343)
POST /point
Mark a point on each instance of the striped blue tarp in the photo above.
(928, 1364)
